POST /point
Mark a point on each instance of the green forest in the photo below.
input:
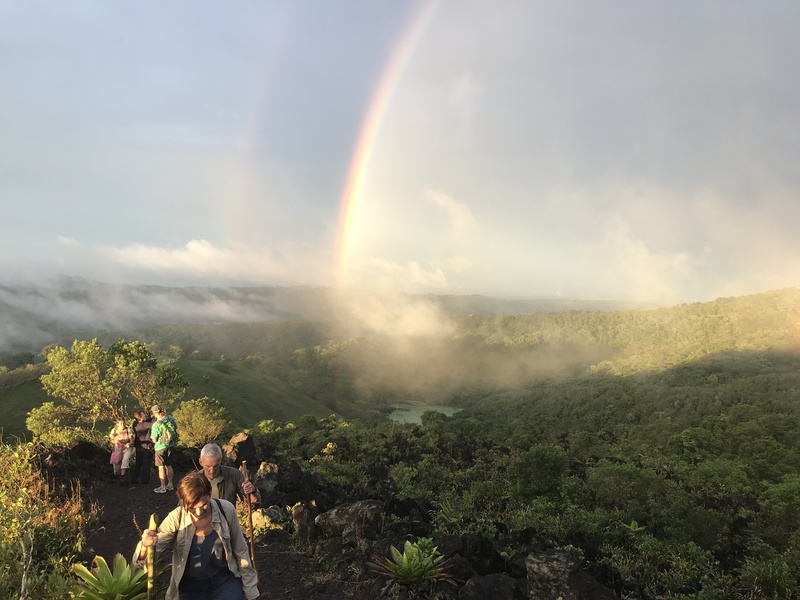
(660, 446)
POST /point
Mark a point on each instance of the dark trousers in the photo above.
(222, 586)
(141, 468)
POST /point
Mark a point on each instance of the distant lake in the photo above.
(412, 413)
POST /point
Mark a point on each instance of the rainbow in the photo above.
(352, 197)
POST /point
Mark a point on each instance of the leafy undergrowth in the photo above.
(43, 526)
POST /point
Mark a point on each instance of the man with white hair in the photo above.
(226, 482)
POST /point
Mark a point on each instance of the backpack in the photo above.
(169, 431)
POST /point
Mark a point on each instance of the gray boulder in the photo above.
(352, 521)
(554, 574)
(497, 586)
(240, 447)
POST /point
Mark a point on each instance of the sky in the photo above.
(616, 150)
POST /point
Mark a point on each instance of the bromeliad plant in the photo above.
(413, 571)
(125, 582)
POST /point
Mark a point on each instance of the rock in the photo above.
(459, 567)
(483, 557)
(83, 451)
(277, 514)
(497, 586)
(553, 574)
(53, 460)
(262, 519)
(240, 447)
(305, 531)
(351, 521)
(291, 477)
(266, 479)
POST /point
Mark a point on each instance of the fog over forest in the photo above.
(36, 313)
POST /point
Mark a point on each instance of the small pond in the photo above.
(412, 413)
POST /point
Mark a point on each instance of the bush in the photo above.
(41, 527)
(51, 425)
(414, 570)
(201, 421)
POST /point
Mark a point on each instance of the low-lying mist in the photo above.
(35, 314)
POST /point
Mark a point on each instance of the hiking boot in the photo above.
(160, 490)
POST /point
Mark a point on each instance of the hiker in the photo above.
(210, 556)
(144, 448)
(226, 482)
(121, 439)
(164, 434)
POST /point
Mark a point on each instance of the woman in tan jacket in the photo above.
(210, 556)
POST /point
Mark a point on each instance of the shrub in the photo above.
(125, 582)
(42, 527)
(201, 421)
(415, 570)
(51, 426)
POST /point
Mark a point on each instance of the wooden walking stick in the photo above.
(151, 561)
(243, 468)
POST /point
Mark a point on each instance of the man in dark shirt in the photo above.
(144, 448)
(226, 482)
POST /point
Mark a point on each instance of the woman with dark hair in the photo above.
(210, 556)
(144, 448)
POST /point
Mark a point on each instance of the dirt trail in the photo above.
(283, 573)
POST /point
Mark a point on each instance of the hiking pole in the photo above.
(250, 520)
(151, 560)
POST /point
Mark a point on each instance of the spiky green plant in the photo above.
(125, 582)
(414, 570)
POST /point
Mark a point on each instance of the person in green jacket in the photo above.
(163, 434)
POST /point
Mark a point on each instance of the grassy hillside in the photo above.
(20, 391)
(249, 393)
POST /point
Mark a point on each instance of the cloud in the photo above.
(385, 274)
(625, 262)
(292, 264)
(396, 315)
(461, 216)
(68, 241)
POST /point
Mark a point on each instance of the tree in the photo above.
(78, 377)
(96, 383)
(134, 368)
(201, 421)
(170, 386)
(137, 370)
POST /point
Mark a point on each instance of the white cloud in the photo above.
(624, 262)
(200, 258)
(68, 241)
(409, 276)
(457, 264)
(397, 315)
(461, 216)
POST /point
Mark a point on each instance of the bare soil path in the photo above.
(283, 573)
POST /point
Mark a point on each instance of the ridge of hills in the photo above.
(33, 315)
(284, 369)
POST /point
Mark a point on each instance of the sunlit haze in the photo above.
(618, 150)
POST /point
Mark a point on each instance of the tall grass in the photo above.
(42, 527)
